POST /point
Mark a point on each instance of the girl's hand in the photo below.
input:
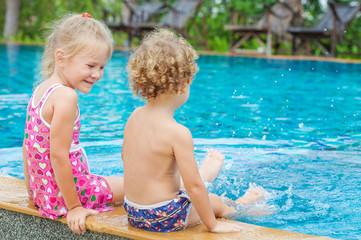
(76, 218)
(226, 227)
(30, 195)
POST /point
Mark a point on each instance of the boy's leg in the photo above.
(117, 186)
(220, 209)
(210, 167)
(252, 195)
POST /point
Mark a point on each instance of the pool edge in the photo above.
(15, 206)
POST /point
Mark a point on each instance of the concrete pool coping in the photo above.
(20, 220)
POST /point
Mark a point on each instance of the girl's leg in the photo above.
(117, 186)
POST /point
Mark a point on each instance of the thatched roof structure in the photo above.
(283, 14)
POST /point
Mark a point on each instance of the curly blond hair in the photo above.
(164, 63)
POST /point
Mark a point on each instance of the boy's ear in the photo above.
(59, 58)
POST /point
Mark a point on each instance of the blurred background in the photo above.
(25, 21)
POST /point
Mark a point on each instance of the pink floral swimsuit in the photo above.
(93, 191)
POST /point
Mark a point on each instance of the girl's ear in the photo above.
(59, 58)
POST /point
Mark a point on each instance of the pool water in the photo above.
(292, 127)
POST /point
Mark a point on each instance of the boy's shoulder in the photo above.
(170, 127)
(180, 131)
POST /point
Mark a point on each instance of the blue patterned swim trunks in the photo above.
(167, 216)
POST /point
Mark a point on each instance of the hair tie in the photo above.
(86, 15)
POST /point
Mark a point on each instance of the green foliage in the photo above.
(33, 17)
(120, 38)
(2, 16)
(36, 15)
(208, 23)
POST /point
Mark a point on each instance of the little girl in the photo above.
(55, 165)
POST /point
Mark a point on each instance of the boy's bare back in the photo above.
(150, 168)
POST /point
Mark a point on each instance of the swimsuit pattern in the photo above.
(93, 191)
(169, 216)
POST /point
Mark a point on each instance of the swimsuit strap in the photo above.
(39, 106)
(44, 97)
(49, 92)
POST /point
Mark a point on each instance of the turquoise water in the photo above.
(292, 127)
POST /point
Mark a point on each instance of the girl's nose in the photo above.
(96, 74)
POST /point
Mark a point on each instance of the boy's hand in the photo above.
(76, 218)
(226, 227)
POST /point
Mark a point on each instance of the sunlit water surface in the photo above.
(292, 127)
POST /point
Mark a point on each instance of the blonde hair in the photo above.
(164, 63)
(72, 34)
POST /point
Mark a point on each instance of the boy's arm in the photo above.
(197, 191)
(26, 171)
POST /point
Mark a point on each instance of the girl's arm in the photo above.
(197, 191)
(61, 134)
(26, 171)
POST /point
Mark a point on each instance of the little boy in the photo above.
(158, 151)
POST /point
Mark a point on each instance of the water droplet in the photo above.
(300, 125)
(228, 166)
